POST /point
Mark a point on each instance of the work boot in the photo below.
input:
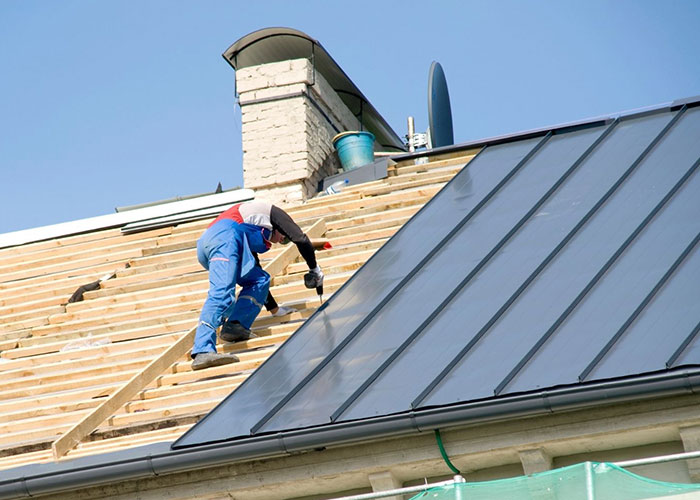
(233, 331)
(209, 359)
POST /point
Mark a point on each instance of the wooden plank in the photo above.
(8, 317)
(40, 281)
(407, 211)
(232, 369)
(338, 250)
(369, 235)
(60, 241)
(396, 198)
(439, 173)
(154, 415)
(214, 393)
(389, 189)
(14, 368)
(36, 305)
(129, 441)
(91, 421)
(8, 344)
(116, 308)
(38, 390)
(354, 259)
(369, 226)
(85, 360)
(86, 263)
(145, 285)
(124, 394)
(69, 254)
(137, 329)
(440, 160)
(330, 284)
(137, 269)
(25, 324)
(25, 459)
(41, 423)
(94, 241)
(190, 253)
(153, 275)
(173, 247)
(60, 287)
(93, 322)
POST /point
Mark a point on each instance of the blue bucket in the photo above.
(354, 149)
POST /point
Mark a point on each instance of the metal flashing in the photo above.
(140, 215)
(367, 173)
(687, 101)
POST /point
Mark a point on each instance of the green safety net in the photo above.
(586, 481)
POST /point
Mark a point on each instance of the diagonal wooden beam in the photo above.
(73, 436)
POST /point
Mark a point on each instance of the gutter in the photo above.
(159, 459)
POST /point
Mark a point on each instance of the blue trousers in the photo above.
(221, 251)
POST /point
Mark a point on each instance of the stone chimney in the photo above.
(289, 116)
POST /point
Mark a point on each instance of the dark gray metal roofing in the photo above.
(281, 44)
(564, 259)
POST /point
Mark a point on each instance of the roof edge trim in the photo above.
(80, 226)
(89, 471)
(557, 128)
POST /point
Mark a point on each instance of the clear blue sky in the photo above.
(111, 103)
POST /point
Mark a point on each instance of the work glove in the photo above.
(314, 278)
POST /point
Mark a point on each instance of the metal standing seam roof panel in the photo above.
(547, 306)
(509, 273)
(537, 266)
(461, 259)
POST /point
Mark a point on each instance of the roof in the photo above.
(565, 259)
(60, 360)
(281, 44)
(154, 299)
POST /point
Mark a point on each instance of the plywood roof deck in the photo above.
(154, 298)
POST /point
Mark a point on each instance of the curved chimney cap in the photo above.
(282, 44)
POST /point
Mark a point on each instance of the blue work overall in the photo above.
(226, 250)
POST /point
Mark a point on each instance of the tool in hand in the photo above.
(314, 279)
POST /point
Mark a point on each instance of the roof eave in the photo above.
(154, 460)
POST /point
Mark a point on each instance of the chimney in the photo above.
(290, 115)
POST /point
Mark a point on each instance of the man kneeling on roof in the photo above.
(229, 250)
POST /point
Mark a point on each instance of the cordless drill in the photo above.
(313, 280)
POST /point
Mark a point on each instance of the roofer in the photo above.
(229, 250)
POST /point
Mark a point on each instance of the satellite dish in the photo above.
(439, 109)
